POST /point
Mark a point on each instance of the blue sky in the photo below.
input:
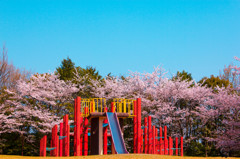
(199, 36)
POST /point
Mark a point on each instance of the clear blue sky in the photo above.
(199, 36)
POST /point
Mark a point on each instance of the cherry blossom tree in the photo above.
(176, 103)
(190, 110)
(227, 104)
(49, 91)
(20, 117)
(36, 106)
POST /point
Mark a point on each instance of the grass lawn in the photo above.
(129, 156)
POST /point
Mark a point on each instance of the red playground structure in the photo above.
(97, 131)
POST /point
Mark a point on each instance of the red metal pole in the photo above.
(68, 140)
(61, 140)
(135, 127)
(75, 141)
(149, 135)
(75, 127)
(54, 141)
(44, 146)
(79, 128)
(105, 135)
(139, 125)
(176, 145)
(57, 147)
(165, 141)
(81, 135)
(153, 139)
(170, 146)
(112, 107)
(181, 142)
(78, 118)
(65, 133)
(86, 134)
(41, 147)
(145, 135)
(161, 141)
(156, 141)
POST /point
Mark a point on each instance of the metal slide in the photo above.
(116, 133)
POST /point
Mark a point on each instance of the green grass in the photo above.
(129, 156)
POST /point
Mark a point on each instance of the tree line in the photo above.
(205, 113)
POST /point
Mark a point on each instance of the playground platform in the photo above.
(103, 115)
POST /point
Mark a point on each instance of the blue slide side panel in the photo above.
(116, 133)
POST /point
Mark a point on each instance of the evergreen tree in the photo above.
(85, 79)
(66, 70)
(82, 77)
(213, 82)
(183, 76)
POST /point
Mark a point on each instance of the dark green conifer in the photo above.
(66, 70)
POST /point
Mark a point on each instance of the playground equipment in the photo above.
(93, 121)
(116, 133)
